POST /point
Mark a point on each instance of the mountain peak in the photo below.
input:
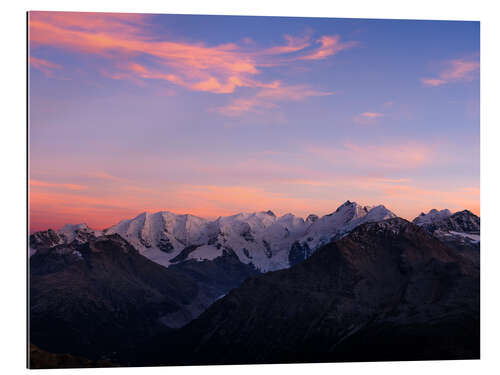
(312, 218)
(347, 203)
(74, 227)
(432, 216)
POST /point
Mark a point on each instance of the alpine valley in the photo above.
(359, 284)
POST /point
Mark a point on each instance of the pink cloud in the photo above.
(195, 66)
(44, 66)
(329, 45)
(399, 156)
(53, 207)
(269, 97)
(455, 71)
(372, 114)
(38, 183)
(367, 118)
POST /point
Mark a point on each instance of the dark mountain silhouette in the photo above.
(101, 299)
(387, 291)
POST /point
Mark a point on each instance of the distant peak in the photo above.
(141, 215)
(270, 213)
(465, 212)
(81, 226)
(347, 203)
(435, 211)
(312, 218)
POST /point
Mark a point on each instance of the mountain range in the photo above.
(267, 242)
(387, 291)
(150, 289)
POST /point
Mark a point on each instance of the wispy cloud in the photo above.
(398, 156)
(44, 66)
(268, 98)
(367, 118)
(74, 187)
(329, 45)
(196, 66)
(454, 71)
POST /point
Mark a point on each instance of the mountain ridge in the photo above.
(261, 238)
(387, 291)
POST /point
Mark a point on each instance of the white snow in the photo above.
(432, 216)
(259, 238)
(78, 232)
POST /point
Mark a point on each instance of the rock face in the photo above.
(387, 291)
(460, 230)
(69, 233)
(100, 299)
(462, 221)
(266, 241)
(261, 239)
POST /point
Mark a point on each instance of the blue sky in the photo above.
(214, 115)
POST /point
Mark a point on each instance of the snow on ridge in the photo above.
(260, 238)
(432, 216)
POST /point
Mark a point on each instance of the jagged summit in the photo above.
(263, 239)
(462, 221)
(432, 216)
(312, 218)
(266, 241)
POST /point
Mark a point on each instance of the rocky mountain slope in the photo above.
(460, 230)
(261, 239)
(102, 297)
(386, 291)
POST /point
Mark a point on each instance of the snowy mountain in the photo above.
(462, 221)
(460, 230)
(262, 239)
(78, 233)
(432, 217)
(386, 291)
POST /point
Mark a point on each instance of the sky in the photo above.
(215, 115)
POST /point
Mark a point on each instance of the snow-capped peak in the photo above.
(78, 232)
(260, 238)
(432, 216)
(345, 218)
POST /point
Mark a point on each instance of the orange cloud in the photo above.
(196, 66)
(99, 209)
(455, 71)
(38, 183)
(44, 66)
(293, 44)
(367, 118)
(433, 81)
(372, 114)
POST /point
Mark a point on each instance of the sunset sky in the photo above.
(213, 115)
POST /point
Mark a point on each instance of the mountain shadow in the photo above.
(387, 291)
(101, 299)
